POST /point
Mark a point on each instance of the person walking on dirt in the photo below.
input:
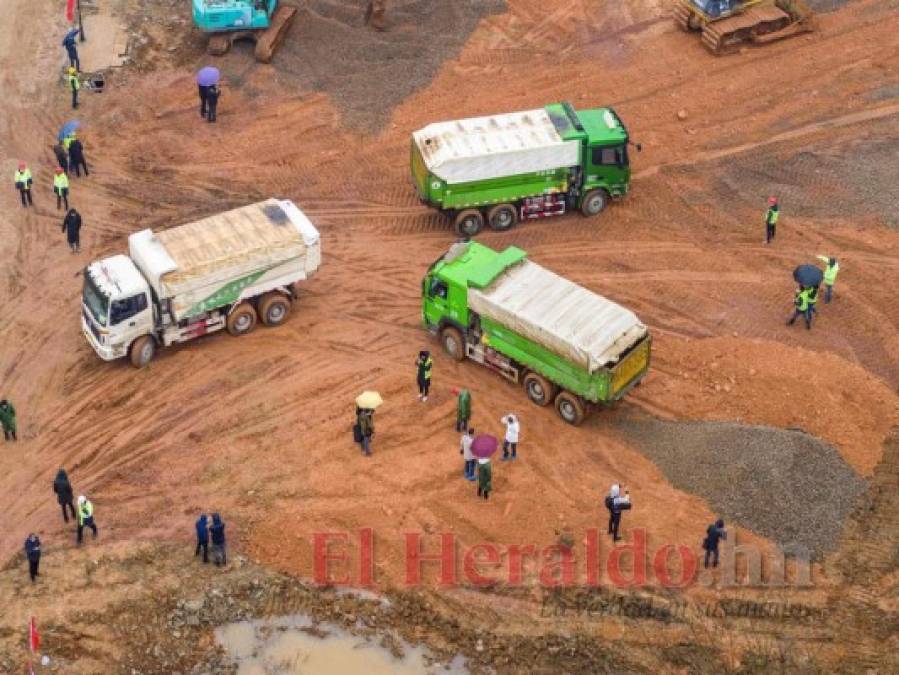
(212, 101)
(23, 183)
(69, 43)
(76, 158)
(217, 531)
(465, 451)
(374, 14)
(510, 443)
(85, 518)
(8, 420)
(831, 269)
(64, 494)
(61, 188)
(771, 217)
(424, 364)
(202, 537)
(203, 90)
(463, 410)
(74, 85)
(33, 554)
(62, 158)
(485, 478)
(617, 504)
(366, 429)
(714, 534)
(71, 225)
(802, 304)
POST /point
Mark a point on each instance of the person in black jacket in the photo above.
(33, 553)
(218, 540)
(203, 537)
(713, 536)
(76, 158)
(71, 225)
(62, 159)
(212, 101)
(64, 494)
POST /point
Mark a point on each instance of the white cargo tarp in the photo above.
(191, 262)
(495, 146)
(565, 318)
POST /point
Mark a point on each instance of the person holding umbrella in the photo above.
(809, 278)
(831, 268)
(212, 99)
(69, 43)
(366, 404)
(206, 77)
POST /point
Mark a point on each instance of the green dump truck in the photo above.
(564, 343)
(501, 169)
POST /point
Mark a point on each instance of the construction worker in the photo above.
(831, 268)
(463, 410)
(61, 188)
(68, 140)
(424, 363)
(71, 225)
(69, 43)
(366, 429)
(771, 217)
(85, 517)
(33, 553)
(510, 442)
(76, 157)
(62, 157)
(23, 183)
(802, 307)
(813, 299)
(8, 420)
(74, 85)
(212, 101)
(374, 14)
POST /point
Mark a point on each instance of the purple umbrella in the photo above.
(208, 76)
(483, 446)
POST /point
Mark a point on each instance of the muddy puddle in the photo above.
(294, 645)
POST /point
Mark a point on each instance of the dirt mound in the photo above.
(785, 485)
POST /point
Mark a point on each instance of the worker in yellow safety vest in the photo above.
(803, 306)
(61, 188)
(771, 216)
(74, 85)
(831, 269)
(23, 184)
(85, 517)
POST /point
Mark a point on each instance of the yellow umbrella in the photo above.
(369, 399)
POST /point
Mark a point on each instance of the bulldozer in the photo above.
(727, 24)
(264, 21)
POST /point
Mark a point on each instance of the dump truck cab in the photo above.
(116, 306)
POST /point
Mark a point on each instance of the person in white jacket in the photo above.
(510, 444)
(465, 451)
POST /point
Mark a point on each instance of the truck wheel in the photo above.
(453, 343)
(242, 320)
(570, 408)
(143, 349)
(539, 389)
(273, 309)
(501, 217)
(469, 222)
(594, 202)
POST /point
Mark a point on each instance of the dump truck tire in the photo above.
(501, 217)
(594, 202)
(453, 343)
(570, 408)
(469, 222)
(539, 389)
(273, 309)
(242, 320)
(143, 349)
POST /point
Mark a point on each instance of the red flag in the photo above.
(70, 11)
(34, 639)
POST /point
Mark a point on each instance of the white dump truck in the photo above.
(224, 271)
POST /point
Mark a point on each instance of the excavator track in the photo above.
(756, 25)
(268, 41)
(681, 16)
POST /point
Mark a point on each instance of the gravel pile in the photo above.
(366, 72)
(787, 486)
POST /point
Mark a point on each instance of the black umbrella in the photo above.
(808, 275)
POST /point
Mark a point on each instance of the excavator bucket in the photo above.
(271, 38)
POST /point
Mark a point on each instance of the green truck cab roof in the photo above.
(473, 265)
(599, 126)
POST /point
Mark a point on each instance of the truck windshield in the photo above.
(97, 301)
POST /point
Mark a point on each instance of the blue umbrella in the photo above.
(68, 129)
(809, 276)
(208, 76)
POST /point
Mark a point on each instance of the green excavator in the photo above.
(264, 21)
(727, 24)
